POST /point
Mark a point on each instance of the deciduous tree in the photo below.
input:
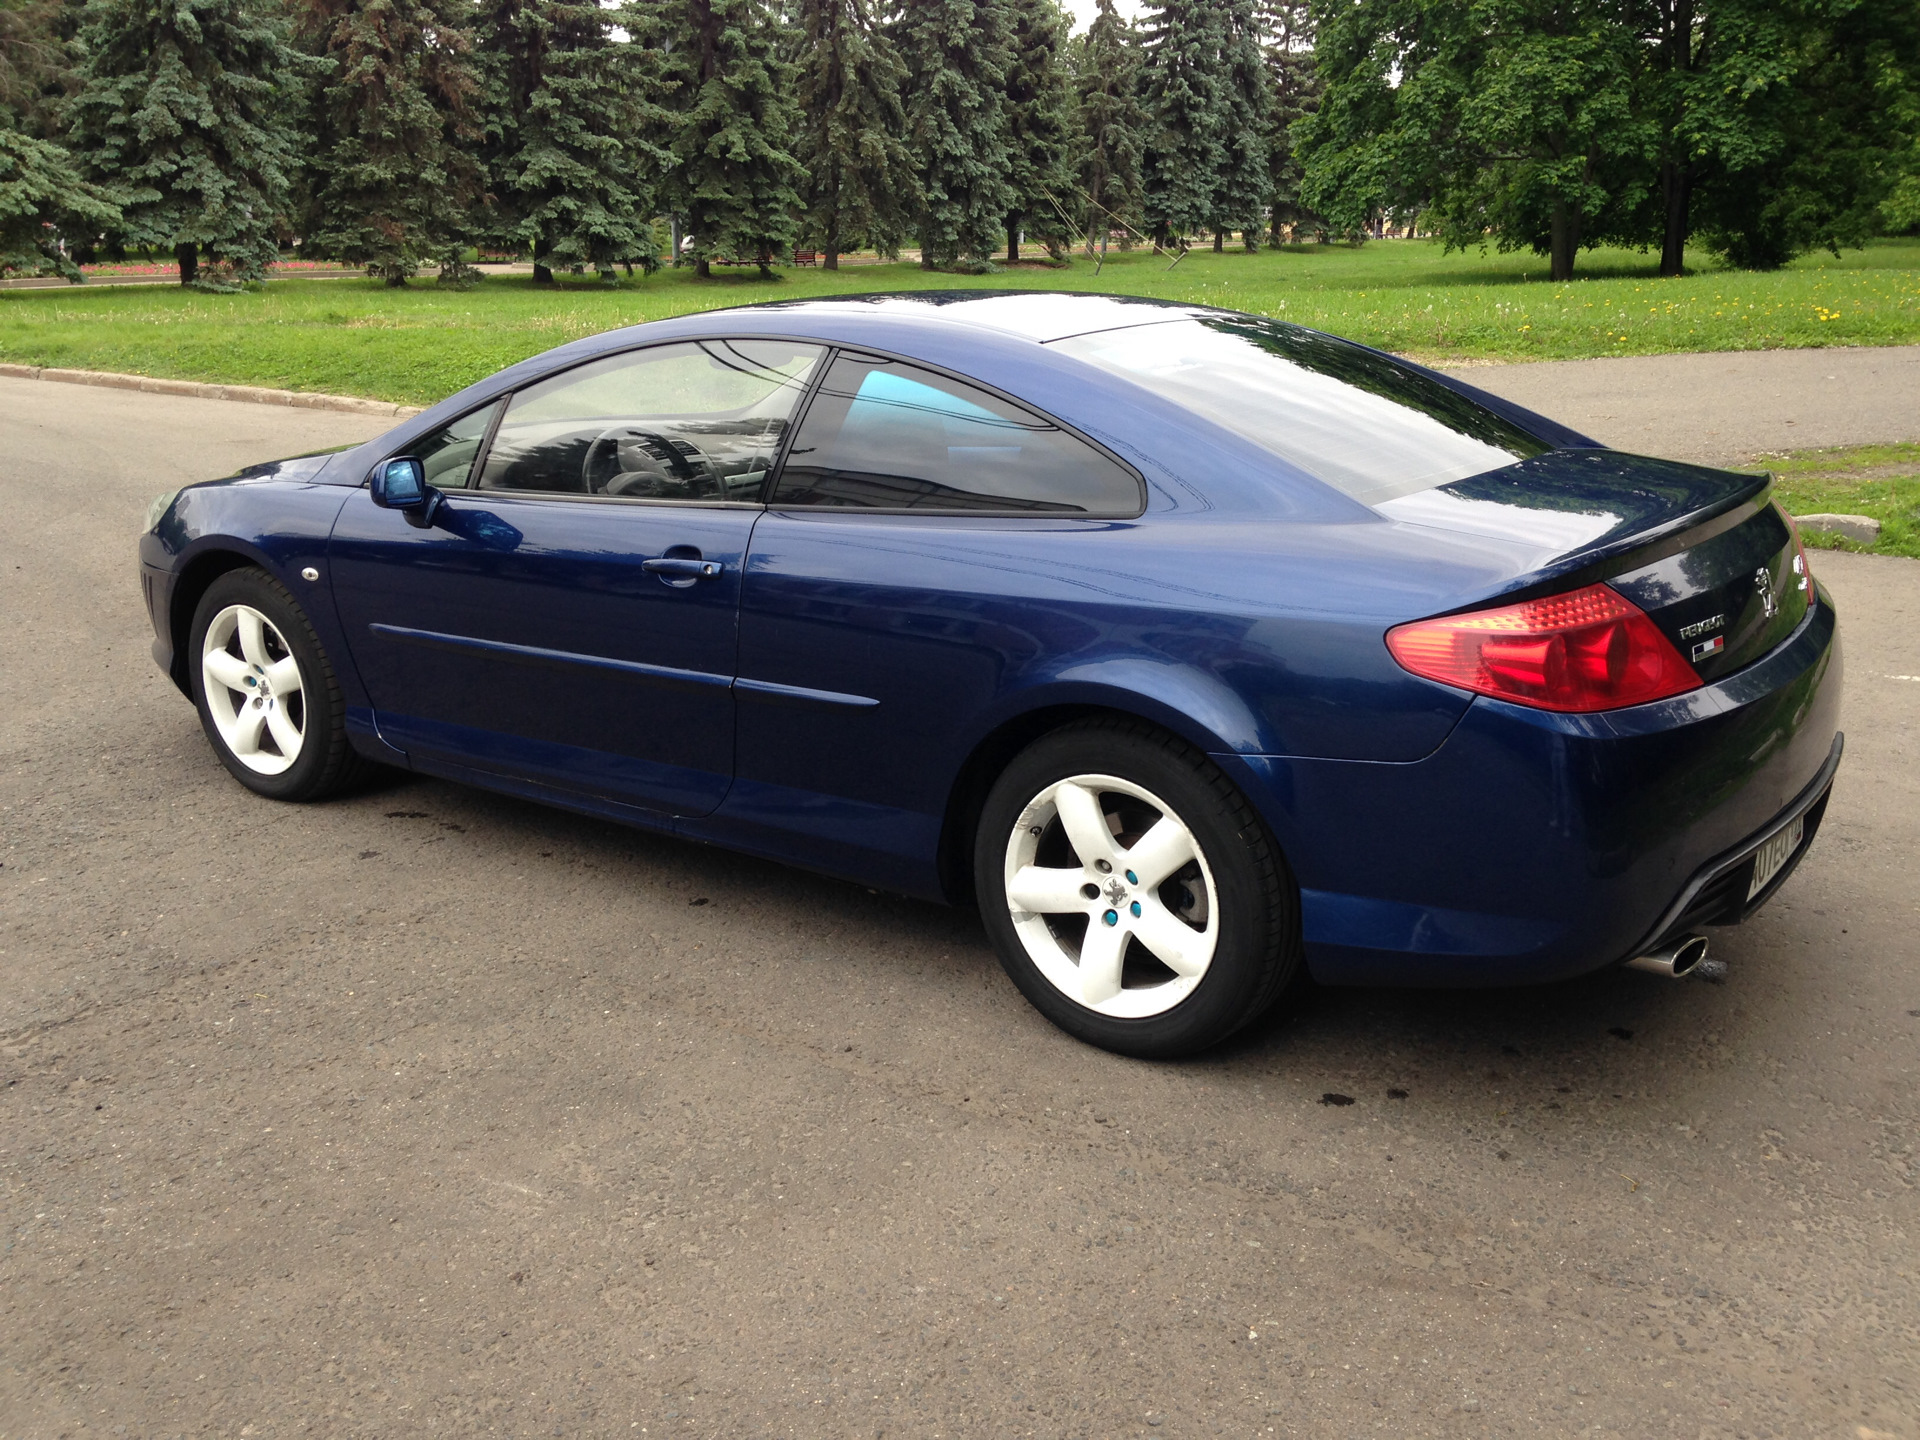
(1791, 129)
(1511, 118)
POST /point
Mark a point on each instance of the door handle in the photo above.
(680, 568)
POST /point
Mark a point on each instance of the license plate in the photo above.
(1775, 853)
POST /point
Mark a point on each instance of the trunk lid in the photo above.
(1706, 553)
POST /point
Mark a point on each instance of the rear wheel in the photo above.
(266, 691)
(1132, 893)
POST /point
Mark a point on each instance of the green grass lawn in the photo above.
(1881, 481)
(418, 344)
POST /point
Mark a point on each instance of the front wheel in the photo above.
(266, 691)
(1132, 893)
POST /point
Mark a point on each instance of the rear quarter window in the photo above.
(1353, 418)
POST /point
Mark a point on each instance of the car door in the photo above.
(927, 539)
(569, 617)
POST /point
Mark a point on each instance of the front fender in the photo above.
(280, 526)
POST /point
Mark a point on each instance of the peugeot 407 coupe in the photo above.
(1192, 647)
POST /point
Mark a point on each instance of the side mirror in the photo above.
(401, 484)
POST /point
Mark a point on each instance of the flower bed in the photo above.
(169, 267)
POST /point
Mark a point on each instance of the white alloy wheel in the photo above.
(254, 690)
(1111, 896)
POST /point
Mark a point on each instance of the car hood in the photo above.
(294, 467)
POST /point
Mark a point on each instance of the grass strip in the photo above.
(419, 344)
(1878, 481)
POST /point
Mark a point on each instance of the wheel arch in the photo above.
(996, 749)
(196, 576)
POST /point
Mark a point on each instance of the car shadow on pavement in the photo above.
(1611, 1035)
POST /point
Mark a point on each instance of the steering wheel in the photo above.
(675, 473)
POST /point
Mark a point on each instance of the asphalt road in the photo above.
(431, 1112)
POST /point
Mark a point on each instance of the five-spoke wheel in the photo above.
(1110, 896)
(1133, 895)
(266, 691)
(254, 690)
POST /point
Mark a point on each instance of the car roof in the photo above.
(1041, 315)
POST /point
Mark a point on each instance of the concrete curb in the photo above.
(250, 394)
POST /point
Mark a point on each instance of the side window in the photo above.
(699, 421)
(448, 454)
(888, 436)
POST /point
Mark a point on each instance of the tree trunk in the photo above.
(1219, 242)
(188, 256)
(830, 248)
(702, 269)
(673, 225)
(1563, 241)
(1680, 60)
(1677, 181)
(542, 274)
(1013, 240)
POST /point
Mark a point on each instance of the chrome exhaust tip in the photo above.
(1676, 960)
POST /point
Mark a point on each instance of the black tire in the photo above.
(1256, 949)
(325, 762)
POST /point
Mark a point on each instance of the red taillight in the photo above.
(1589, 649)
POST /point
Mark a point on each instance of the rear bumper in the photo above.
(1720, 892)
(1533, 847)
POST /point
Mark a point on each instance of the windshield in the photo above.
(1355, 419)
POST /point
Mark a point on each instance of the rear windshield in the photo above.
(1354, 419)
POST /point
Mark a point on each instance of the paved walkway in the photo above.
(1724, 408)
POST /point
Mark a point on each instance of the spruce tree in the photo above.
(394, 181)
(566, 107)
(1111, 120)
(1295, 92)
(184, 109)
(731, 95)
(957, 58)
(36, 64)
(1246, 124)
(1184, 94)
(851, 90)
(45, 205)
(1039, 123)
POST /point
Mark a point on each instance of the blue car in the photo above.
(1198, 650)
